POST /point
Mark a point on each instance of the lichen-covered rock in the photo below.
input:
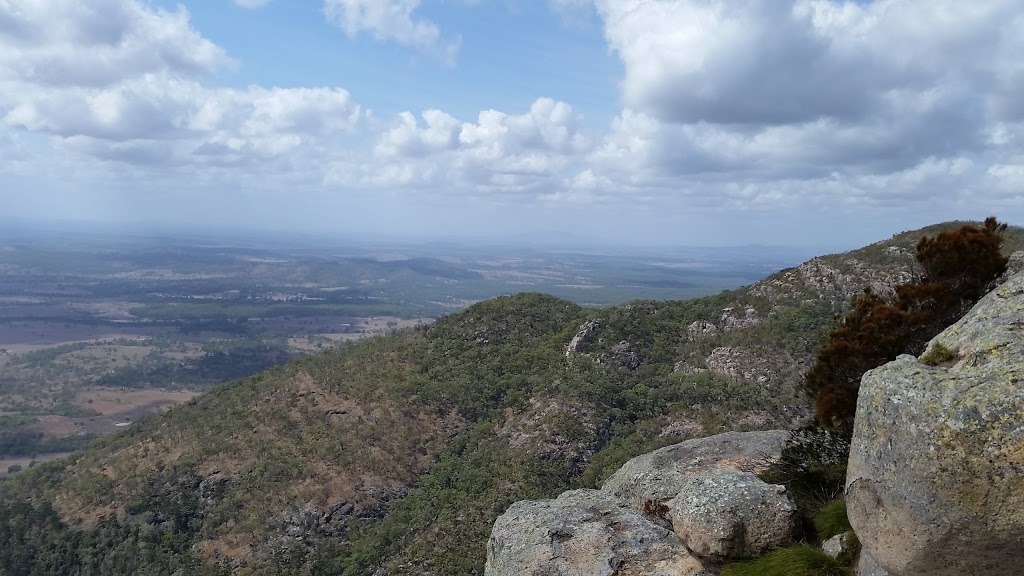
(657, 476)
(936, 476)
(583, 532)
(724, 513)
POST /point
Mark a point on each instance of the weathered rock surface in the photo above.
(936, 477)
(866, 566)
(751, 365)
(586, 333)
(725, 513)
(583, 532)
(834, 546)
(709, 495)
(657, 475)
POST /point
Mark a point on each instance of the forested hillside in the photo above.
(394, 455)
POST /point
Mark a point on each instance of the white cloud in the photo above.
(391, 20)
(499, 153)
(121, 81)
(97, 43)
(758, 109)
(753, 62)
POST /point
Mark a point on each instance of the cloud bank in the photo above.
(726, 107)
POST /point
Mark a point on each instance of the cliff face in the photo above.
(936, 478)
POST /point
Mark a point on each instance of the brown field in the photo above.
(25, 461)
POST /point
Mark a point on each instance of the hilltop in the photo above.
(395, 455)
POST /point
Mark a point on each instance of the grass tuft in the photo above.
(799, 560)
(832, 520)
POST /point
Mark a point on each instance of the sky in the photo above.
(608, 122)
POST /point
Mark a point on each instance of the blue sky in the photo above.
(810, 122)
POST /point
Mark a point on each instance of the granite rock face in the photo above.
(709, 495)
(657, 476)
(866, 566)
(703, 489)
(724, 513)
(935, 483)
(583, 532)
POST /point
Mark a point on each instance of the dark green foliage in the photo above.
(799, 560)
(812, 466)
(959, 266)
(831, 520)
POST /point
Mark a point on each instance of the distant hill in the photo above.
(394, 455)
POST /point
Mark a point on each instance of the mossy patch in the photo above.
(938, 354)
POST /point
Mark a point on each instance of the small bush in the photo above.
(812, 467)
(799, 560)
(832, 520)
(938, 354)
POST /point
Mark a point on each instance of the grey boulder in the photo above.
(723, 513)
(935, 483)
(705, 488)
(583, 532)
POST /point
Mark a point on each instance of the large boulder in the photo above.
(705, 488)
(724, 513)
(936, 476)
(583, 532)
(657, 476)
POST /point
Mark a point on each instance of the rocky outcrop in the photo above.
(936, 476)
(702, 489)
(701, 328)
(734, 319)
(583, 532)
(584, 335)
(569, 432)
(750, 365)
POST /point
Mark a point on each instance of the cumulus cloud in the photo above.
(121, 81)
(774, 102)
(97, 43)
(391, 20)
(751, 62)
(727, 106)
(498, 153)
